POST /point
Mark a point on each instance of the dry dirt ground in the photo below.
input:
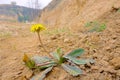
(104, 47)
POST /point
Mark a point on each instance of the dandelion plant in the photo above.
(69, 62)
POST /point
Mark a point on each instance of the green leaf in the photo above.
(75, 53)
(88, 24)
(81, 61)
(102, 27)
(42, 60)
(59, 51)
(55, 56)
(73, 70)
(42, 75)
(39, 60)
(59, 59)
(52, 63)
(30, 64)
(58, 54)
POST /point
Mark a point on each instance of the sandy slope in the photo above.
(103, 47)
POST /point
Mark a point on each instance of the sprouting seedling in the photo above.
(69, 62)
(38, 28)
(28, 62)
(95, 26)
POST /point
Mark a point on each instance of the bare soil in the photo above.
(103, 47)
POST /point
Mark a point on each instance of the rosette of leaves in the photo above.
(69, 62)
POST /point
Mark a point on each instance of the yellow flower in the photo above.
(37, 28)
(26, 58)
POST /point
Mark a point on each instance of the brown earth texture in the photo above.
(65, 21)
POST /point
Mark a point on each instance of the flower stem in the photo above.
(42, 43)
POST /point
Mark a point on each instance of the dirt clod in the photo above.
(115, 62)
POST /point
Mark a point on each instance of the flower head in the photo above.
(37, 28)
(25, 58)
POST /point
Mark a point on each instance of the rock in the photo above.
(104, 63)
(18, 73)
(115, 37)
(116, 54)
(108, 69)
(38, 51)
(48, 41)
(56, 68)
(53, 37)
(115, 62)
(94, 67)
(82, 67)
(88, 65)
(105, 58)
(14, 58)
(118, 72)
(95, 55)
(23, 78)
(22, 68)
(29, 74)
(67, 40)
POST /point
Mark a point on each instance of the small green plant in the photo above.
(95, 26)
(57, 31)
(5, 34)
(69, 62)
